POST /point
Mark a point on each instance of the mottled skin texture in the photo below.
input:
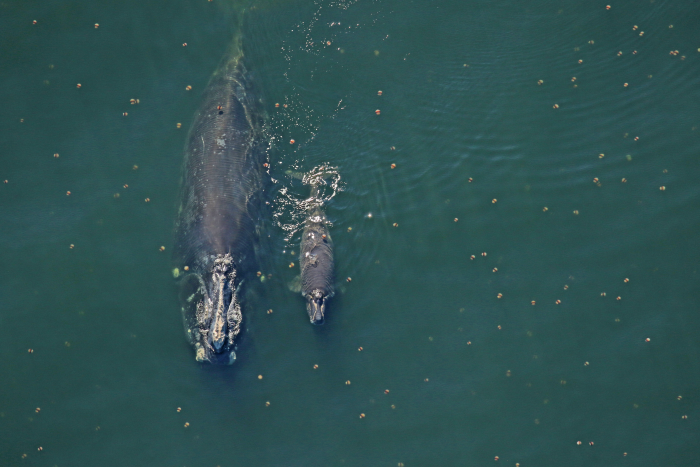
(316, 260)
(215, 229)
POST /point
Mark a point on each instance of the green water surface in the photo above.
(546, 152)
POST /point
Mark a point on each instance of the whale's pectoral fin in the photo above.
(295, 285)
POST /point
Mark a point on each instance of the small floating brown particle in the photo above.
(315, 367)
(426, 380)
(558, 302)
(555, 106)
(55, 155)
(379, 93)
(470, 180)
(30, 350)
(359, 349)
(495, 269)
(483, 253)
(162, 248)
(533, 302)
(578, 442)
(269, 312)
(71, 246)
(147, 200)
(186, 268)
(135, 167)
(386, 391)
(494, 201)
(648, 339)
(662, 188)
(576, 212)
(67, 193)
(260, 376)
(291, 141)
(97, 25)
(619, 298)
(179, 125)
(267, 404)
(626, 280)
(607, 7)
(545, 209)
(179, 409)
(377, 111)
(500, 295)
(539, 82)
(396, 224)
(472, 257)
(456, 219)
(347, 383)
(362, 415)
(495, 458)
(625, 85)
(184, 44)
(619, 53)
(188, 88)
(349, 279)
(78, 85)
(595, 180)
(600, 156)
(187, 424)
(37, 410)
(586, 364)
(277, 105)
(291, 265)
(125, 114)
(624, 180)
(393, 166)
(580, 61)
(34, 22)
(39, 448)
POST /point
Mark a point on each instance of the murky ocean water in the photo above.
(524, 281)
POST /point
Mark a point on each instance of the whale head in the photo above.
(215, 314)
(316, 306)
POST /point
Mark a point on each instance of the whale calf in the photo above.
(316, 260)
(216, 223)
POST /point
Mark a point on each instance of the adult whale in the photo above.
(218, 214)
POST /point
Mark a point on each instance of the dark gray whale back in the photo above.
(316, 261)
(215, 228)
